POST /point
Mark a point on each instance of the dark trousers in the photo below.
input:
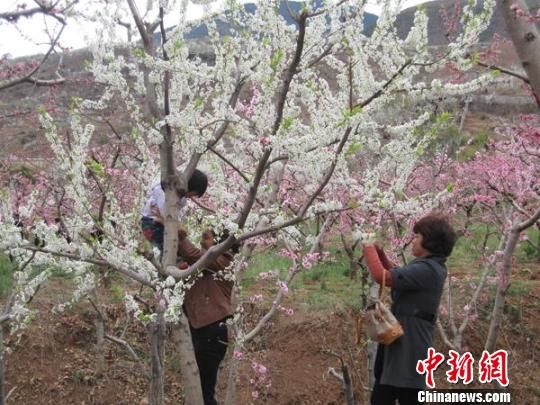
(210, 345)
(388, 394)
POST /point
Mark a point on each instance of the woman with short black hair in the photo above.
(416, 294)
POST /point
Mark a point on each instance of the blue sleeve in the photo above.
(414, 276)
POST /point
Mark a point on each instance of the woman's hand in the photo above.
(369, 239)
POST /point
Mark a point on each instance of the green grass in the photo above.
(530, 249)
(468, 248)
(6, 275)
(325, 286)
(7, 268)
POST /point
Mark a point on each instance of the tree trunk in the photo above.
(526, 41)
(372, 346)
(156, 330)
(230, 395)
(188, 364)
(100, 333)
(100, 345)
(504, 279)
(353, 269)
(502, 288)
(347, 385)
(364, 282)
(2, 367)
(191, 380)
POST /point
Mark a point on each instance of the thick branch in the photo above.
(528, 222)
(280, 106)
(43, 8)
(505, 71)
(379, 92)
(126, 272)
(146, 37)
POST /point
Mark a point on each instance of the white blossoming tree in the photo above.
(282, 118)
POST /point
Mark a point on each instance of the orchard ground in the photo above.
(53, 360)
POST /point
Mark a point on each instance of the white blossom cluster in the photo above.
(351, 104)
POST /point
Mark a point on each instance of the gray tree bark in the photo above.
(171, 184)
(525, 37)
(504, 279)
(2, 367)
(156, 331)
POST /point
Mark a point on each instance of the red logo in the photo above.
(494, 367)
(461, 367)
(429, 365)
(490, 367)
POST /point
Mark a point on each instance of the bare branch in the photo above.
(131, 352)
(43, 8)
(232, 165)
(28, 76)
(280, 106)
(146, 38)
(529, 222)
(379, 92)
(275, 304)
(5, 318)
(444, 335)
(505, 71)
(10, 392)
(126, 272)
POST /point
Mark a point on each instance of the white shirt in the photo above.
(156, 198)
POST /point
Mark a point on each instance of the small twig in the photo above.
(28, 76)
(131, 352)
(10, 392)
(140, 300)
(505, 71)
(332, 371)
(237, 170)
(100, 314)
(204, 207)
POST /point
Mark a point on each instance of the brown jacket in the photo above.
(209, 299)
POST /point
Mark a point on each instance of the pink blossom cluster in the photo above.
(256, 298)
(266, 275)
(289, 253)
(28, 179)
(310, 259)
(451, 19)
(519, 12)
(286, 311)
(260, 381)
(16, 70)
(283, 286)
(248, 108)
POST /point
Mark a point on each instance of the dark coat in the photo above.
(416, 294)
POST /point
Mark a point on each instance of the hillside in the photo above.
(19, 105)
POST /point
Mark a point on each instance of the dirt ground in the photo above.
(53, 360)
